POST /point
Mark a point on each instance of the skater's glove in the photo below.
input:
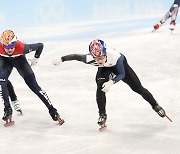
(33, 61)
(106, 86)
(56, 61)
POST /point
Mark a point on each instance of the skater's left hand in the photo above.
(33, 61)
(106, 86)
(56, 61)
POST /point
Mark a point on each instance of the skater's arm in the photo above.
(37, 47)
(78, 57)
(87, 58)
(120, 69)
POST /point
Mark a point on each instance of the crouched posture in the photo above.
(12, 54)
(112, 67)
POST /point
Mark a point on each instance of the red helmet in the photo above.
(97, 48)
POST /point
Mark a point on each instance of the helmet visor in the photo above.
(10, 46)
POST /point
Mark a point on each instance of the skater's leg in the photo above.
(26, 72)
(11, 91)
(166, 17)
(101, 77)
(33, 85)
(4, 93)
(13, 97)
(133, 81)
(5, 70)
(162, 21)
(173, 12)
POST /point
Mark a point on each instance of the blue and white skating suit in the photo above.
(115, 68)
(114, 59)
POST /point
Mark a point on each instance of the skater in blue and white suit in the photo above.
(112, 68)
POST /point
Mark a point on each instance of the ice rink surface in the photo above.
(132, 126)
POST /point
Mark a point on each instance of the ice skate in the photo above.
(160, 111)
(55, 116)
(16, 106)
(8, 117)
(172, 25)
(102, 121)
(157, 26)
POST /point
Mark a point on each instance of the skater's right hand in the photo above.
(106, 86)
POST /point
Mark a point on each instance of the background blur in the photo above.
(19, 14)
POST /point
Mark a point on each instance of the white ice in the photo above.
(132, 126)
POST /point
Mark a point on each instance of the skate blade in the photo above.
(7, 124)
(102, 127)
(60, 121)
(168, 118)
(154, 30)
